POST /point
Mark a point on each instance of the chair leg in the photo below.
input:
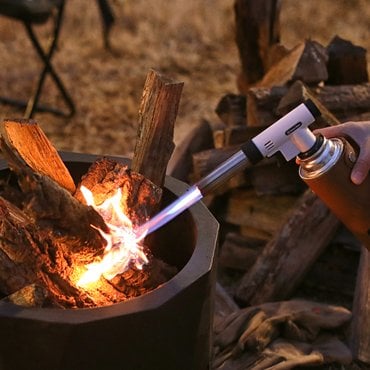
(32, 105)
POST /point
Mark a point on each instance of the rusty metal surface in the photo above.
(167, 328)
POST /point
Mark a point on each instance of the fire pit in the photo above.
(167, 328)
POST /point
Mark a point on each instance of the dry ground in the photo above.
(188, 40)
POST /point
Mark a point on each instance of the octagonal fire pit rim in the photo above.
(199, 265)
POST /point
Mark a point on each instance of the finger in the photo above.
(332, 131)
(360, 170)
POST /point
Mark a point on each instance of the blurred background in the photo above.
(187, 40)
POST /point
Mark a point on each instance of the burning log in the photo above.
(29, 256)
(29, 143)
(140, 197)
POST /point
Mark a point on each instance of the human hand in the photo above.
(360, 133)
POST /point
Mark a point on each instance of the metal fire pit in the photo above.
(167, 328)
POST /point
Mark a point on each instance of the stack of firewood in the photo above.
(278, 240)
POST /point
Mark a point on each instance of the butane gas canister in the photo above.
(326, 169)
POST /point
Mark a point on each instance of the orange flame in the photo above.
(123, 248)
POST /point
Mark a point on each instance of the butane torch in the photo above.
(319, 158)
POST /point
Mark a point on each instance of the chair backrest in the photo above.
(30, 11)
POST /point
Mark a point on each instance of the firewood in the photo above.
(257, 30)
(231, 109)
(298, 93)
(16, 246)
(305, 62)
(29, 255)
(240, 134)
(346, 102)
(29, 296)
(105, 176)
(262, 103)
(238, 252)
(157, 115)
(181, 163)
(290, 253)
(347, 64)
(360, 327)
(27, 140)
(274, 176)
(52, 207)
(266, 213)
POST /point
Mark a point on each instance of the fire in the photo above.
(123, 245)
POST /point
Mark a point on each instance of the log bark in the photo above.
(26, 140)
(290, 253)
(257, 30)
(360, 327)
(157, 115)
(29, 255)
(140, 197)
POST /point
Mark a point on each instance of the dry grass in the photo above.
(188, 40)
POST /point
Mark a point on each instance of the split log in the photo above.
(306, 62)
(52, 207)
(262, 103)
(347, 64)
(290, 253)
(266, 213)
(157, 115)
(346, 102)
(26, 140)
(257, 30)
(360, 327)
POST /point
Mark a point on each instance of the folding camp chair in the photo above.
(32, 12)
